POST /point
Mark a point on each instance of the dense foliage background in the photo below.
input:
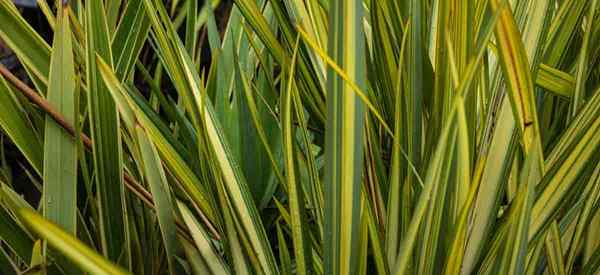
(300, 137)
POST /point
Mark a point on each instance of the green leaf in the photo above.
(17, 126)
(582, 63)
(130, 36)
(72, 248)
(556, 81)
(554, 251)
(14, 236)
(29, 46)
(516, 70)
(196, 263)
(344, 139)
(590, 195)
(416, 78)
(515, 249)
(60, 150)
(131, 112)
(295, 192)
(187, 82)
(433, 176)
(161, 193)
(104, 123)
(210, 257)
(565, 163)
(284, 256)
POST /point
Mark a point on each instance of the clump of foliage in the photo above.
(302, 137)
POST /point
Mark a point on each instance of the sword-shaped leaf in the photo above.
(60, 150)
(104, 124)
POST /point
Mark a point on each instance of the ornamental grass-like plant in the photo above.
(301, 137)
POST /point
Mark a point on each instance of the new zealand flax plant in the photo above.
(301, 137)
